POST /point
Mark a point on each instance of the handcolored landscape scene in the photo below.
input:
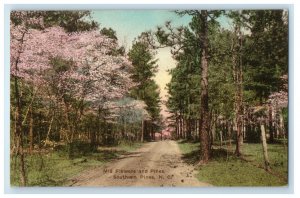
(153, 98)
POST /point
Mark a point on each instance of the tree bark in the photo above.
(142, 135)
(204, 110)
(68, 123)
(213, 132)
(18, 128)
(49, 130)
(30, 132)
(229, 130)
(221, 139)
(265, 148)
(237, 70)
(271, 128)
(20, 150)
(180, 126)
(177, 126)
(189, 129)
(183, 127)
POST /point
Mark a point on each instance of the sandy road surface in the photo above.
(155, 164)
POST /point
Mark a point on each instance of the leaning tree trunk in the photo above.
(204, 110)
(264, 145)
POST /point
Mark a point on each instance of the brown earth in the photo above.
(154, 164)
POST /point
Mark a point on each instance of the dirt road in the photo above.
(155, 164)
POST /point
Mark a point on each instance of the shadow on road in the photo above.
(193, 157)
(130, 155)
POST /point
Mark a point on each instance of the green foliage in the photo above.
(71, 21)
(60, 65)
(109, 32)
(221, 82)
(152, 99)
(145, 66)
(184, 88)
(143, 62)
(265, 51)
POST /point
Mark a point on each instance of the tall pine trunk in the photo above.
(238, 80)
(204, 110)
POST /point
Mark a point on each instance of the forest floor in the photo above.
(225, 169)
(54, 167)
(154, 164)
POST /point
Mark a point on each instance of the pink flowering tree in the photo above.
(278, 101)
(89, 54)
(74, 69)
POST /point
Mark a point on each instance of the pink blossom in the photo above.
(107, 76)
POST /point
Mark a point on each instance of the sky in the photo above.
(129, 24)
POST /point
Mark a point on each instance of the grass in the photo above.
(190, 151)
(54, 168)
(188, 147)
(224, 169)
(277, 153)
(130, 147)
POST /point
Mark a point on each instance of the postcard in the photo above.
(151, 98)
